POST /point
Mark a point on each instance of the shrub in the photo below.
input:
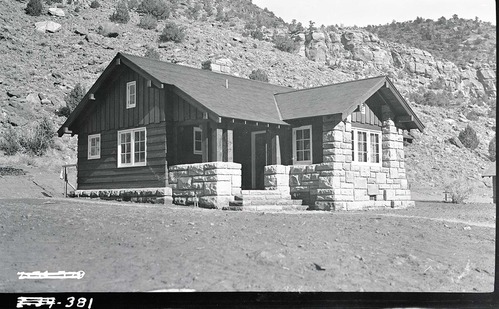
(469, 138)
(33, 141)
(259, 75)
(208, 7)
(157, 8)
(284, 43)
(34, 7)
(95, 4)
(121, 14)
(133, 4)
(148, 22)
(152, 53)
(63, 112)
(473, 116)
(492, 149)
(74, 97)
(172, 32)
(10, 142)
(459, 189)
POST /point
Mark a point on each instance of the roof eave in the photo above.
(66, 126)
(417, 122)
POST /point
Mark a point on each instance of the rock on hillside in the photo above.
(365, 54)
(48, 65)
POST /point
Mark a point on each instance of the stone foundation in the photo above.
(341, 184)
(212, 184)
(138, 195)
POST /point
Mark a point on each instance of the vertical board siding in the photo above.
(371, 115)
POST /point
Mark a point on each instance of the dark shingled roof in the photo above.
(243, 99)
(246, 99)
(327, 100)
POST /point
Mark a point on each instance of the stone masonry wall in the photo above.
(345, 185)
(300, 181)
(214, 184)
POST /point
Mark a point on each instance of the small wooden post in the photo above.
(228, 145)
(65, 182)
(216, 146)
(204, 141)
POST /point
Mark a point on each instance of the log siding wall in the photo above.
(107, 116)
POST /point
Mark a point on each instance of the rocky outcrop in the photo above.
(365, 54)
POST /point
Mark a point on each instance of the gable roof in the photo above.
(344, 98)
(227, 96)
(242, 98)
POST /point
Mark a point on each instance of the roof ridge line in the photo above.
(209, 71)
(329, 85)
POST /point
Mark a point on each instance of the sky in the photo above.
(375, 12)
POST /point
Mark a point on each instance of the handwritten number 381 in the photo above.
(81, 302)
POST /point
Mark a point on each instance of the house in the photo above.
(148, 127)
(491, 172)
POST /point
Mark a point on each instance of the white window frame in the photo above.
(295, 157)
(132, 148)
(129, 95)
(97, 146)
(194, 150)
(355, 143)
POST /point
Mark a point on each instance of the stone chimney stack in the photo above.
(220, 65)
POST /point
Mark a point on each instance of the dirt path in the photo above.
(480, 224)
(141, 247)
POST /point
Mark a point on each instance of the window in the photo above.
(302, 145)
(197, 141)
(132, 147)
(131, 94)
(94, 146)
(366, 146)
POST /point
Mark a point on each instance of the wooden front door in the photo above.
(258, 158)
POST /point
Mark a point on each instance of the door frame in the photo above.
(253, 156)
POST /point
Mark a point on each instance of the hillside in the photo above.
(456, 39)
(47, 66)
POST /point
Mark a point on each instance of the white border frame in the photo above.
(355, 146)
(132, 140)
(128, 86)
(253, 156)
(90, 137)
(293, 140)
(194, 151)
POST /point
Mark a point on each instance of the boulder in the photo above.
(92, 37)
(32, 99)
(57, 12)
(13, 93)
(456, 142)
(109, 29)
(81, 31)
(47, 26)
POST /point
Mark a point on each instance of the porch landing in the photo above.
(270, 200)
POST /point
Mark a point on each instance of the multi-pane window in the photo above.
(302, 145)
(131, 94)
(132, 147)
(197, 141)
(366, 146)
(94, 146)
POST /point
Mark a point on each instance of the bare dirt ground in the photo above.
(434, 247)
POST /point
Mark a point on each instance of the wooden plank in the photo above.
(204, 142)
(217, 144)
(181, 110)
(141, 100)
(187, 110)
(157, 117)
(162, 105)
(228, 145)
